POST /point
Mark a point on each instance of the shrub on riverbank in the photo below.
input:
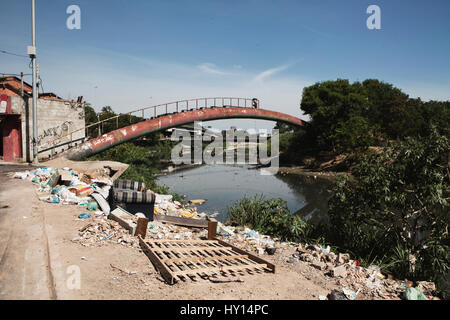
(271, 217)
(395, 214)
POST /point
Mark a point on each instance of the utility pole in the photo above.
(32, 53)
(21, 84)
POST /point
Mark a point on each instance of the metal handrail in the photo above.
(52, 143)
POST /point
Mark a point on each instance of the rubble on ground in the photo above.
(338, 267)
(160, 230)
(100, 231)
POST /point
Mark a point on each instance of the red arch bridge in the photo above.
(159, 118)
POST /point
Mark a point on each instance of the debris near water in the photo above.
(67, 186)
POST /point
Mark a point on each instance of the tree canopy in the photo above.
(347, 116)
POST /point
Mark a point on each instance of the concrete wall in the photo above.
(55, 119)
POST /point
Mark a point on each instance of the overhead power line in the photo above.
(13, 54)
(14, 74)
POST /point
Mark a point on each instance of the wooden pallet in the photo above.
(189, 259)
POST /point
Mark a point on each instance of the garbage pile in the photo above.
(355, 279)
(247, 239)
(100, 231)
(67, 186)
(164, 205)
(159, 230)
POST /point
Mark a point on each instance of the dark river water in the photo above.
(222, 185)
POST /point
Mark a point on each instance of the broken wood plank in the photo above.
(188, 222)
(85, 227)
(212, 229)
(182, 241)
(203, 258)
(141, 228)
(220, 269)
(189, 249)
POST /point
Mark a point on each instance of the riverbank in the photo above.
(301, 171)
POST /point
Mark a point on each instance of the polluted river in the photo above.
(222, 185)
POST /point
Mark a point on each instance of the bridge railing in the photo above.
(70, 139)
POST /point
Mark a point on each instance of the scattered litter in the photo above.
(107, 237)
(337, 295)
(197, 202)
(84, 216)
(428, 288)
(92, 205)
(414, 294)
(123, 271)
(350, 294)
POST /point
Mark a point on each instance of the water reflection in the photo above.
(315, 193)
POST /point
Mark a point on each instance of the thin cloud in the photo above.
(211, 68)
(270, 72)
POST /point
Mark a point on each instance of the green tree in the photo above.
(396, 210)
(391, 109)
(90, 117)
(330, 105)
(436, 113)
(89, 114)
(283, 127)
(354, 134)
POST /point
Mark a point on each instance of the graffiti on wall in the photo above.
(55, 132)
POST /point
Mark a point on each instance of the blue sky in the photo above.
(130, 54)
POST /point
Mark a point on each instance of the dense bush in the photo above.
(396, 211)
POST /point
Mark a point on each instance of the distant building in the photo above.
(56, 117)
